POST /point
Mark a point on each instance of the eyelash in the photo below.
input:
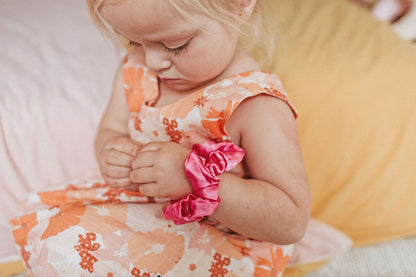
(174, 51)
(178, 50)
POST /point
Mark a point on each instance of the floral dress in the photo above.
(90, 229)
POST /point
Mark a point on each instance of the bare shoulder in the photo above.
(265, 127)
(262, 113)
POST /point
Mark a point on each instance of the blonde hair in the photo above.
(256, 34)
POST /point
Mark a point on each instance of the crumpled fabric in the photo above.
(87, 228)
(203, 165)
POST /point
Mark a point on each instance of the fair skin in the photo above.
(274, 203)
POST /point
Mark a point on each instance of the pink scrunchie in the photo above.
(203, 165)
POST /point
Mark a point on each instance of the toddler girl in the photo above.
(188, 103)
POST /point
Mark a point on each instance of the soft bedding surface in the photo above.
(46, 126)
(396, 258)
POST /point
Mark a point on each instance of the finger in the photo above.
(150, 189)
(117, 182)
(143, 175)
(118, 158)
(152, 146)
(124, 145)
(116, 171)
(143, 159)
(132, 187)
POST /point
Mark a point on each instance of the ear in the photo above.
(247, 8)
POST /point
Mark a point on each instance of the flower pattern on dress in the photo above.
(113, 194)
(138, 124)
(25, 224)
(274, 92)
(137, 273)
(147, 250)
(218, 266)
(272, 267)
(133, 86)
(86, 245)
(200, 102)
(171, 129)
(135, 234)
(215, 121)
(207, 109)
(69, 215)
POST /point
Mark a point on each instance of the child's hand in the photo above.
(116, 161)
(159, 170)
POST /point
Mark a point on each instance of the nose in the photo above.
(157, 59)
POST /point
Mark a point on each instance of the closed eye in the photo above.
(133, 43)
(174, 51)
(177, 50)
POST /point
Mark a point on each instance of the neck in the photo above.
(241, 62)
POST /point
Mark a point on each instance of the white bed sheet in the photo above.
(49, 106)
(390, 259)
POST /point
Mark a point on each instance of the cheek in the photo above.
(208, 59)
(137, 55)
(197, 65)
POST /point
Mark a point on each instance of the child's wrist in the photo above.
(203, 165)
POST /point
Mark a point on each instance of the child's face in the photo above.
(184, 55)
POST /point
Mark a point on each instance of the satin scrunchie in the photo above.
(203, 165)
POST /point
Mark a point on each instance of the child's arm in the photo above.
(114, 149)
(274, 204)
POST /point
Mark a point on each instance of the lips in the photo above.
(169, 80)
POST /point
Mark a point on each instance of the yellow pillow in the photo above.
(11, 268)
(354, 83)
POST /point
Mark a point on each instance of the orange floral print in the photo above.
(99, 185)
(138, 124)
(133, 77)
(170, 129)
(245, 74)
(200, 102)
(218, 266)
(68, 215)
(139, 84)
(25, 223)
(208, 108)
(20, 234)
(244, 250)
(113, 195)
(86, 245)
(53, 197)
(274, 92)
(216, 120)
(137, 273)
(157, 251)
(271, 268)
